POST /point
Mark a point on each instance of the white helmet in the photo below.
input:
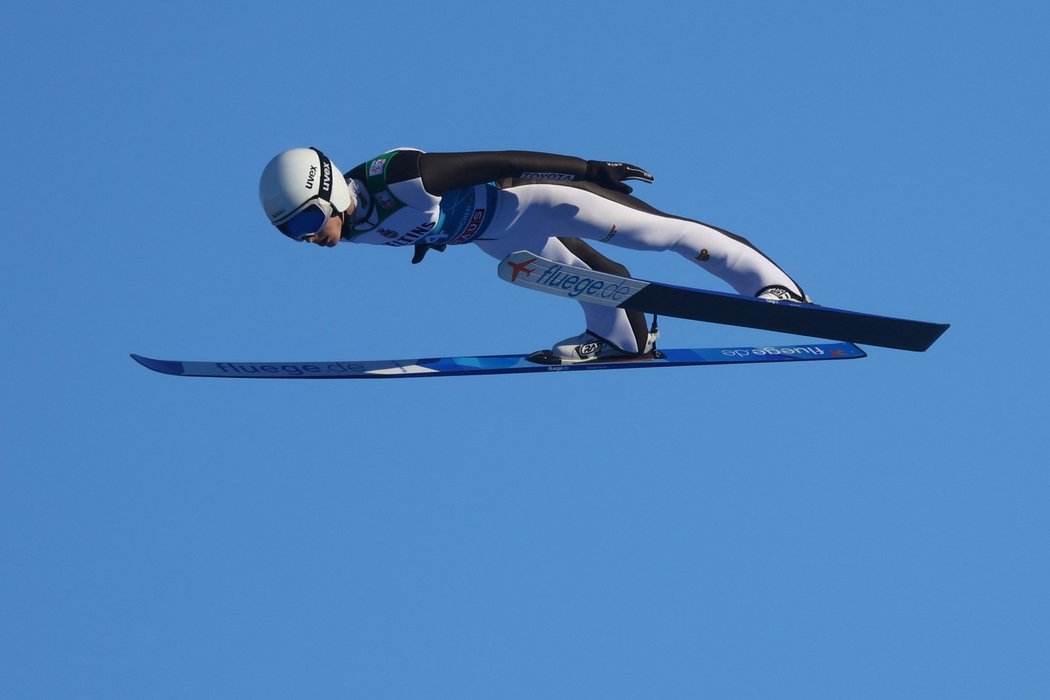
(300, 189)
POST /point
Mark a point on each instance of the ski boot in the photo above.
(778, 293)
(590, 347)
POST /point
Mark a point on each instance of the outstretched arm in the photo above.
(442, 172)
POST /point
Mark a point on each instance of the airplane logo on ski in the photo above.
(521, 267)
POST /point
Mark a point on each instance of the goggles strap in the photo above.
(327, 173)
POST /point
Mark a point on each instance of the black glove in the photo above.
(422, 248)
(612, 175)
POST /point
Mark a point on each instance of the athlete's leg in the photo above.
(596, 261)
(594, 213)
(610, 323)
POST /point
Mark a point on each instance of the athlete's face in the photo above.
(329, 236)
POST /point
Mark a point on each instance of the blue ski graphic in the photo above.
(494, 364)
(529, 270)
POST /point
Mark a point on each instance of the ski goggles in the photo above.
(309, 220)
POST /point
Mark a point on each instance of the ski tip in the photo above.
(162, 366)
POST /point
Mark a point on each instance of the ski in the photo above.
(526, 269)
(494, 364)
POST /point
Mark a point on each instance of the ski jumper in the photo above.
(503, 201)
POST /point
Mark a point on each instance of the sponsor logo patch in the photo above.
(761, 352)
(377, 167)
(472, 227)
(521, 267)
(413, 236)
(582, 285)
(293, 369)
(385, 199)
(545, 176)
(588, 349)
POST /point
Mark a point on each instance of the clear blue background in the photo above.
(865, 529)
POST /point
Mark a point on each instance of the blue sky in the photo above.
(863, 529)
